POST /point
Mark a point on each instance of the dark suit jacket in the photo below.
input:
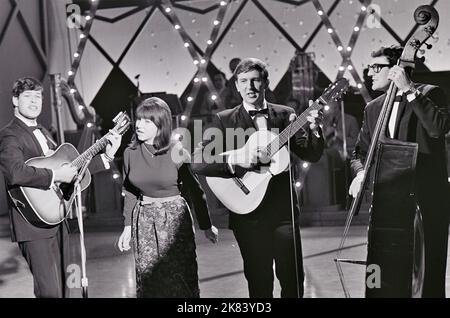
(425, 120)
(17, 145)
(275, 207)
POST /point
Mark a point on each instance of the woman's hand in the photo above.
(124, 239)
(212, 234)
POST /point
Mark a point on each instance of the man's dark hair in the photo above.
(392, 53)
(233, 63)
(26, 84)
(250, 64)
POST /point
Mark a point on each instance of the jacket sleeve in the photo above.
(432, 111)
(97, 165)
(305, 144)
(131, 192)
(196, 194)
(190, 187)
(358, 157)
(16, 172)
(206, 157)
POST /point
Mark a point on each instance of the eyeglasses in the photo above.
(377, 67)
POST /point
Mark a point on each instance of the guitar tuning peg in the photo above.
(429, 46)
(421, 59)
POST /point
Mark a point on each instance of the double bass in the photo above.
(395, 245)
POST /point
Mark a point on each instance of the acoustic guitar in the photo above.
(244, 195)
(46, 208)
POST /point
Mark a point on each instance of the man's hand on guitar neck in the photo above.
(114, 140)
(315, 118)
(64, 174)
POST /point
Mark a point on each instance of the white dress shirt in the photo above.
(394, 113)
(393, 118)
(260, 119)
(41, 139)
(260, 123)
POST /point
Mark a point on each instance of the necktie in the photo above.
(33, 128)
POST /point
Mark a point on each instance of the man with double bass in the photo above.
(420, 114)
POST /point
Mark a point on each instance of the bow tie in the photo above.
(263, 111)
(38, 126)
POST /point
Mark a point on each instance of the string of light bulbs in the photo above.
(201, 62)
(83, 37)
(346, 51)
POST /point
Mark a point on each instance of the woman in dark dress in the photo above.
(157, 217)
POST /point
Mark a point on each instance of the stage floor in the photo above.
(111, 273)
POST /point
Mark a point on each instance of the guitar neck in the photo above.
(276, 144)
(90, 152)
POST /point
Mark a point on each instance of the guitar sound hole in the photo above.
(67, 190)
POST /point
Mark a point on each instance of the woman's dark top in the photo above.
(159, 175)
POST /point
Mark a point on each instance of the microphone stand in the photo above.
(345, 155)
(344, 135)
(77, 195)
(294, 226)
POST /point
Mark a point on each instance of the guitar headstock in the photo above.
(121, 123)
(335, 91)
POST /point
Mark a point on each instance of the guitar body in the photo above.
(46, 208)
(244, 195)
(227, 190)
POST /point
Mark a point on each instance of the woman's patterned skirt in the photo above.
(164, 249)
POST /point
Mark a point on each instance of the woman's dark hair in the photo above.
(26, 84)
(159, 113)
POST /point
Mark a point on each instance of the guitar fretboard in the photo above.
(90, 152)
(275, 145)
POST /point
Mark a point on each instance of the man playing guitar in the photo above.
(20, 140)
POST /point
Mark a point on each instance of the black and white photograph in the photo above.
(224, 153)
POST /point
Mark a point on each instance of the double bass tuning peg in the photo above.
(429, 46)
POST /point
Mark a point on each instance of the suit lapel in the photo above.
(27, 132)
(403, 121)
(407, 120)
(271, 117)
(50, 142)
(244, 118)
